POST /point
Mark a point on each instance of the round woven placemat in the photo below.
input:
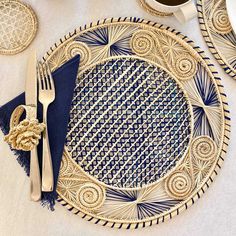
(218, 33)
(18, 25)
(130, 63)
(151, 10)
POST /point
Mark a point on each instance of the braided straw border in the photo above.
(26, 44)
(199, 192)
(210, 42)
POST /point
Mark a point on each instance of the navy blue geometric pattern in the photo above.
(129, 122)
(145, 209)
(231, 37)
(208, 93)
(100, 37)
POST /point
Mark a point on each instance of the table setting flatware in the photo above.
(125, 121)
(64, 81)
(37, 73)
(46, 97)
(31, 100)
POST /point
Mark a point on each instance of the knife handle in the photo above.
(47, 170)
(35, 180)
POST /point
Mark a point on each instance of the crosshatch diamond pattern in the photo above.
(18, 26)
(129, 122)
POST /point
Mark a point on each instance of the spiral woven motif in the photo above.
(18, 26)
(185, 67)
(142, 42)
(90, 196)
(75, 48)
(204, 148)
(178, 185)
(220, 22)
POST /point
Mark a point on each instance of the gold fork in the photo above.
(46, 97)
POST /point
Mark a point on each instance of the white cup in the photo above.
(183, 12)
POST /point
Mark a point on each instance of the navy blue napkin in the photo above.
(58, 116)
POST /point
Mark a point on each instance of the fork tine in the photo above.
(39, 76)
(50, 76)
(44, 82)
(46, 76)
(42, 76)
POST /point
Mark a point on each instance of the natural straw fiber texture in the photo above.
(218, 33)
(18, 24)
(149, 123)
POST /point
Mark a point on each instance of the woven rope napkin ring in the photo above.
(24, 135)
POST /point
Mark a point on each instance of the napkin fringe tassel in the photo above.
(48, 200)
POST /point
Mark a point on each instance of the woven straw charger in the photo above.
(218, 33)
(18, 26)
(149, 123)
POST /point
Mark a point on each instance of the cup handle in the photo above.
(186, 12)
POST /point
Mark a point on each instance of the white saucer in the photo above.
(231, 9)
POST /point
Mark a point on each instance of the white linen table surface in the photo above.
(214, 214)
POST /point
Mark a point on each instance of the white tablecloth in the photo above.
(214, 214)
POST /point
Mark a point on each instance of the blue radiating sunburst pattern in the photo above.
(98, 37)
(231, 38)
(116, 45)
(209, 98)
(144, 208)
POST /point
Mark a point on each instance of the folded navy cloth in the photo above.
(58, 117)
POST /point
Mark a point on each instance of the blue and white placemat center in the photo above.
(130, 122)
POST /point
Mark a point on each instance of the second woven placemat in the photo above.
(218, 33)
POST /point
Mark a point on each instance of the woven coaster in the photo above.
(218, 33)
(149, 123)
(18, 26)
(151, 10)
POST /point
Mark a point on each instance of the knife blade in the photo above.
(31, 100)
(31, 81)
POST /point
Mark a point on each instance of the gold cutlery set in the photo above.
(46, 93)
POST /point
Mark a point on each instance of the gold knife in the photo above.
(31, 100)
